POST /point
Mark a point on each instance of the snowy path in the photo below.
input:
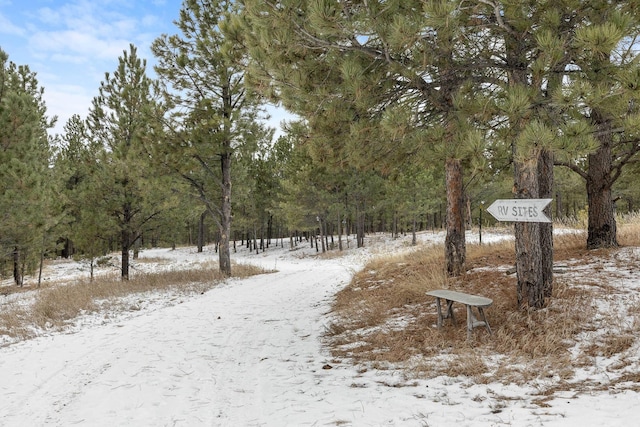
(242, 354)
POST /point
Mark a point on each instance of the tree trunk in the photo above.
(41, 266)
(340, 232)
(559, 205)
(360, 218)
(124, 265)
(394, 232)
(602, 230)
(201, 231)
(455, 245)
(136, 248)
(125, 241)
(530, 288)
(224, 255)
(68, 249)
(321, 232)
(414, 239)
(545, 191)
(17, 277)
(255, 239)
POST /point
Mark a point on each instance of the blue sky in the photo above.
(70, 44)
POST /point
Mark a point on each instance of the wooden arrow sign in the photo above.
(519, 210)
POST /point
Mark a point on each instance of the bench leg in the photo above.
(448, 315)
(439, 313)
(484, 319)
(472, 322)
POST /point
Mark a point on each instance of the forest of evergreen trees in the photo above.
(413, 114)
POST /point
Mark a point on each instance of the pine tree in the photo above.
(88, 227)
(24, 166)
(205, 69)
(603, 95)
(123, 180)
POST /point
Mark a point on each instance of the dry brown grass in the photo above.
(383, 318)
(57, 304)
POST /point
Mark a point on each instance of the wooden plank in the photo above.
(473, 300)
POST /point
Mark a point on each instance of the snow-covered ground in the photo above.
(249, 353)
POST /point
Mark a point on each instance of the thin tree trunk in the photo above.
(136, 248)
(17, 277)
(559, 205)
(322, 241)
(602, 229)
(360, 217)
(126, 240)
(126, 244)
(224, 255)
(255, 239)
(41, 262)
(545, 191)
(201, 231)
(455, 244)
(340, 231)
(395, 225)
(414, 238)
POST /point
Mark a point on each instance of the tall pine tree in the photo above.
(123, 180)
(204, 69)
(24, 165)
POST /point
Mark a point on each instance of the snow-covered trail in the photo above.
(244, 353)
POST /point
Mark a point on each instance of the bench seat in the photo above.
(470, 301)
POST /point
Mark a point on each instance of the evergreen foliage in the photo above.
(204, 70)
(124, 185)
(25, 192)
(87, 226)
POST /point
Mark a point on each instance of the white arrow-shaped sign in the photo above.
(519, 210)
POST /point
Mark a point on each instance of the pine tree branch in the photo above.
(498, 16)
(573, 167)
(625, 158)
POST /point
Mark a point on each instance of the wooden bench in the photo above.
(480, 303)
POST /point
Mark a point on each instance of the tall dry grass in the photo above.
(56, 305)
(384, 317)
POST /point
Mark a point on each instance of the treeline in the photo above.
(413, 115)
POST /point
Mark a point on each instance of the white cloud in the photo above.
(46, 15)
(82, 29)
(71, 42)
(65, 101)
(8, 27)
(150, 21)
